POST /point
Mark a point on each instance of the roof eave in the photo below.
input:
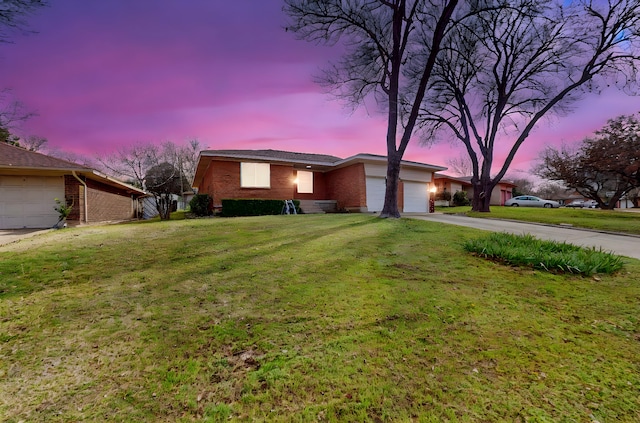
(45, 169)
(373, 158)
(238, 157)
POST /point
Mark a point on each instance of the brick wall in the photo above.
(74, 194)
(319, 189)
(222, 181)
(106, 206)
(347, 186)
(105, 203)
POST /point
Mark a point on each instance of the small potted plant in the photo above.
(64, 211)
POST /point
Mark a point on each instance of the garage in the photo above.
(415, 197)
(375, 193)
(29, 201)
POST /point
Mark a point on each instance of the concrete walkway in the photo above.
(624, 245)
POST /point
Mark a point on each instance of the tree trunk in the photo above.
(612, 203)
(390, 208)
(163, 205)
(482, 190)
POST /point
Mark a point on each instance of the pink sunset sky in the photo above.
(105, 74)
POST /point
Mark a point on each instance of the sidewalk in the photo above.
(624, 245)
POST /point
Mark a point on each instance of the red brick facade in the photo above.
(104, 202)
(347, 186)
(222, 181)
(74, 194)
(319, 189)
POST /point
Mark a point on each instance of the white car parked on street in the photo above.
(531, 201)
(586, 204)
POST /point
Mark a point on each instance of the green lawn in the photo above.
(605, 220)
(326, 318)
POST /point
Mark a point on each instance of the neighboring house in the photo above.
(30, 182)
(501, 193)
(625, 203)
(449, 184)
(320, 182)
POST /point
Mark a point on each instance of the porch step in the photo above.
(318, 206)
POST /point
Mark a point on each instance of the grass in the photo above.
(604, 220)
(306, 318)
(527, 251)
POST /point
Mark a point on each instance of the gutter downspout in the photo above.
(86, 208)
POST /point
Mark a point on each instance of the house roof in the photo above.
(467, 179)
(15, 160)
(12, 157)
(318, 162)
(273, 155)
(376, 158)
(464, 180)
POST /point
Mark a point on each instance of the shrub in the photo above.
(254, 207)
(460, 199)
(201, 205)
(528, 251)
(444, 195)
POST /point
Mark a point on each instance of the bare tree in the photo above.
(381, 39)
(12, 114)
(604, 168)
(552, 190)
(505, 68)
(523, 186)
(13, 14)
(34, 143)
(164, 181)
(460, 165)
(188, 158)
(167, 163)
(131, 163)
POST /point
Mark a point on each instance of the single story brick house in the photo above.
(30, 182)
(501, 193)
(320, 182)
(445, 184)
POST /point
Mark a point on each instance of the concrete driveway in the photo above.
(624, 245)
(7, 236)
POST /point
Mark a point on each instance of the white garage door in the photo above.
(28, 201)
(415, 197)
(375, 193)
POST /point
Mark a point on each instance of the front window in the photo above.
(255, 175)
(305, 182)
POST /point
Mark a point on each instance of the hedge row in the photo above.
(234, 208)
